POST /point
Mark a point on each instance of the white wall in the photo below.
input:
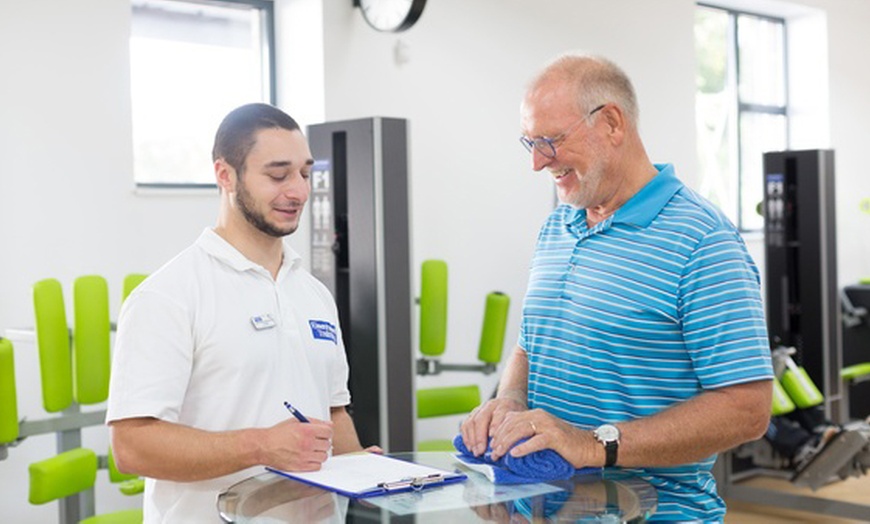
(850, 130)
(476, 201)
(68, 207)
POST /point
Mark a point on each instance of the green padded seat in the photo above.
(439, 402)
(452, 400)
(126, 516)
(69, 473)
(436, 445)
(63, 475)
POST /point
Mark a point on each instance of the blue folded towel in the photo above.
(539, 466)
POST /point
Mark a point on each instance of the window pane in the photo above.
(762, 67)
(759, 133)
(191, 63)
(715, 110)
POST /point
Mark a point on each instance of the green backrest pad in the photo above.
(453, 400)
(130, 282)
(8, 398)
(53, 341)
(62, 475)
(495, 317)
(433, 308)
(91, 339)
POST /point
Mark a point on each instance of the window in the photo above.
(191, 63)
(741, 106)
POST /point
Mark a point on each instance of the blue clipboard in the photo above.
(379, 477)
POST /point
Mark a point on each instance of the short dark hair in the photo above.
(236, 135)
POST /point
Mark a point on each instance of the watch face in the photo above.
(607, 433)
(391, 15)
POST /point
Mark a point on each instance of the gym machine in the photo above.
(360, 249)
(804, 325)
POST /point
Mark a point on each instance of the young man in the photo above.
(643, 343)
(211, 345)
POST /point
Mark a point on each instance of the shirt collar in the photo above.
(216, 246)
(645, 205)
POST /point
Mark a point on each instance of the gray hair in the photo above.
(597, 81)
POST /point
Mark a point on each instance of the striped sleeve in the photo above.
(722, 314)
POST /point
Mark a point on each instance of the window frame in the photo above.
(266, 10)
(742, 107)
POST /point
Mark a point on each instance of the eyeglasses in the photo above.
(547, 146)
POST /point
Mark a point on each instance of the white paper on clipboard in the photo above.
(369, 474)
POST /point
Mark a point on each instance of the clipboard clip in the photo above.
(413, 483)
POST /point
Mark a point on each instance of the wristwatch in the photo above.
(608, 435)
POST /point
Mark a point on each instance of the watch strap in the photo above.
(610, 451)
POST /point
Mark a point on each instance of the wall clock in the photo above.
(391, 16)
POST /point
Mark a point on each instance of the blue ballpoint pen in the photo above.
(295, 412)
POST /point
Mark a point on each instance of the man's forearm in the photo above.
(345, 439)
(159, 449)
(514, 383)
(712, 422)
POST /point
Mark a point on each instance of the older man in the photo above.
(643, 343)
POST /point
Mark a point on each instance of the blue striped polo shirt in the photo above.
(646, 309)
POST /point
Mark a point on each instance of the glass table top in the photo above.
(609, 497)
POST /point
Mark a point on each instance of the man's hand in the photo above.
(295, 446)
(544, 431)
(479, 426)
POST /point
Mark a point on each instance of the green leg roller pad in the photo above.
(494, 324)
(433, 308)
(800, 388)
(782, 404)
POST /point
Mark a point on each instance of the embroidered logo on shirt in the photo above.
(323, 330)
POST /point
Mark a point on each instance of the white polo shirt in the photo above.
(211, 341)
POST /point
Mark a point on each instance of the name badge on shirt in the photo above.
(323, 330)
(261, 322)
